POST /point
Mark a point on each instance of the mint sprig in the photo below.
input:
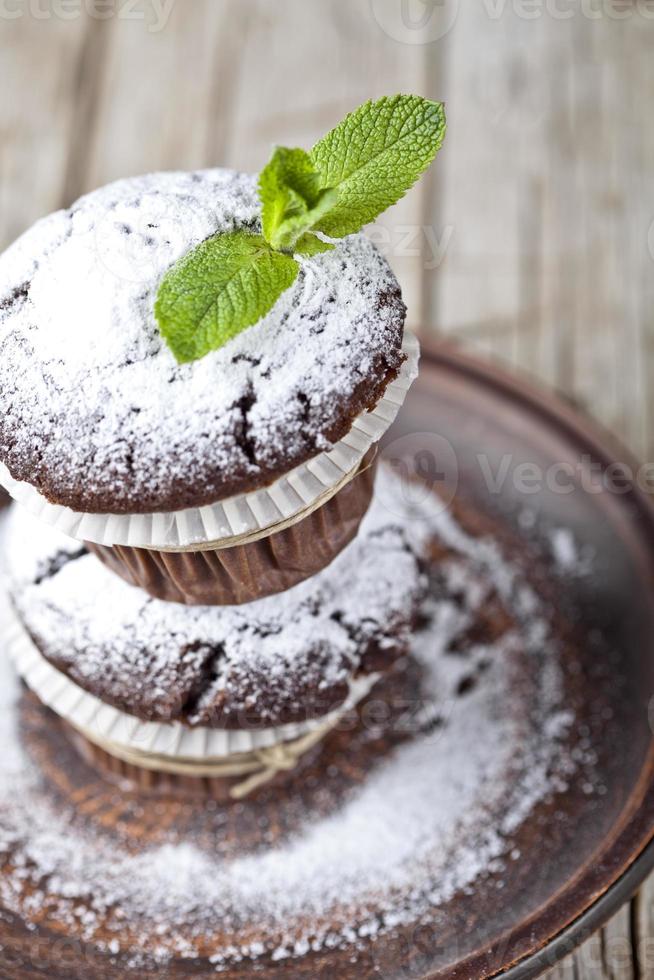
(362, 167)
(225, 285)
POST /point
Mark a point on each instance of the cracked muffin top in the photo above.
(276, 660)
(96, 413)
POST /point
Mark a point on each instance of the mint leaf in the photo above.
(293, 197)
(310, 245)
(374, 156)
(357, 171)
(223, 286)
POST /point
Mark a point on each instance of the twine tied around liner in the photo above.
(259, 766)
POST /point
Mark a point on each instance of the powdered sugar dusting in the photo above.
(432, 819)
(137, 431)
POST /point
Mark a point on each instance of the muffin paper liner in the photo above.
(108, 725)
(237, 775)
(243, 517)
(232, 576)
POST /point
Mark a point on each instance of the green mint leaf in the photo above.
(374, 156)
(293, 197)
(310, 245)
(221, 287)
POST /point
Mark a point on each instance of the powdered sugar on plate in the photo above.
(95, 410)
(491, 739)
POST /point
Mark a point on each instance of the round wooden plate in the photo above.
(504, 453)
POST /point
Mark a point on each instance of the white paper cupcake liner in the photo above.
(106, 723)
(290, 497)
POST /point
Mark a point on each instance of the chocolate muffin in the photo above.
(95, 412)
(279, 660)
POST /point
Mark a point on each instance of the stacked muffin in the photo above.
(200, 582)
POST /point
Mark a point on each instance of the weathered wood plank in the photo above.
(38, 74)
(301, 73)
(544, 178)
(156, 107)
(235, 103)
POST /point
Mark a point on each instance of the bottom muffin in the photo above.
(284, 659)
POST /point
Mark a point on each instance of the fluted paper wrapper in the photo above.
(91, 715)
(272, 564)
(243, 516)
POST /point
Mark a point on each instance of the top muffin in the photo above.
(96, 413)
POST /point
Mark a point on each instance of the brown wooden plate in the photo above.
(523, 464)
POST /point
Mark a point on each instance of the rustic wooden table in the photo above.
(532, 239)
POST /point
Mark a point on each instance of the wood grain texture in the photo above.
(546, 181)
(532, 240)
(39, 71)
